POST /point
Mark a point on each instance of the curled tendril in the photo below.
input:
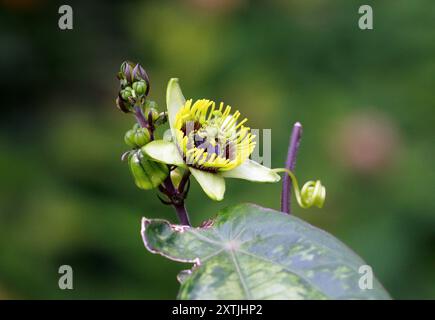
(313, 193)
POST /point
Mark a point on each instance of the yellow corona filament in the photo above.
(224, 142)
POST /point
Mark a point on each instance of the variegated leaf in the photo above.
(250, 252)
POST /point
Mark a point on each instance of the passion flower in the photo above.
(209, 141)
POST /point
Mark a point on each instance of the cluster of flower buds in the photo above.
(134, 86)
(132, 98)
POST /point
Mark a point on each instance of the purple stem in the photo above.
(180, 208)
(182, 214)
(184, 180)
(295, 140)
(140, 117)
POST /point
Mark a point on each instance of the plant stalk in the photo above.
(290, 164)
(184, 180)
(140, 117)
(179, 206)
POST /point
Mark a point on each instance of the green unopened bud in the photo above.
(125, 73)
(147, 173)
(139, 73)
(126, 93)
(140, 87)
(131, 72)
(129, 138)
(137, 137)
(141, 137)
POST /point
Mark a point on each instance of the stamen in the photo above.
(241, 123)
(211, 111)
(226, 112)
(221, 106)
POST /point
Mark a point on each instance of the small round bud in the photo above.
(141, 137)
(129, 138)
(140, 87)
(126, 93)
(137, 137)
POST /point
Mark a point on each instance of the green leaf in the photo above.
(250, 252)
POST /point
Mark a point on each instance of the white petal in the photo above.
(252, 171)
(174, 100)
(212, 183)
(163, 151)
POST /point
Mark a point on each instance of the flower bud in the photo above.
(139, 73)
(141, 137)
(135, 86)
(139, 87)
(147, 174)
(126, 93)
(137, 137)
(130, 73)
(129, 138)
(126, 72)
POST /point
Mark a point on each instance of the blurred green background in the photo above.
(365, 98)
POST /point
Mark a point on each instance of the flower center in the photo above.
(211, 139)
